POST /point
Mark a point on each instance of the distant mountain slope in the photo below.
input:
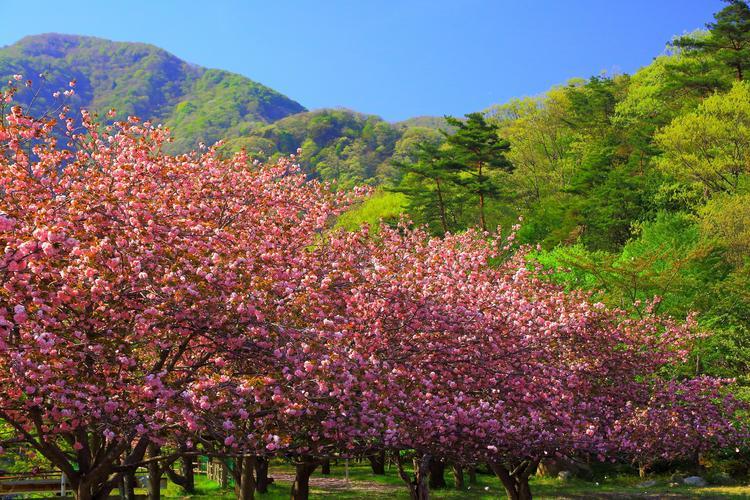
(202, 105)
(205, 105)
(338, 144)
(436, 122)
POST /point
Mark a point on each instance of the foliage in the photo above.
(712, 144)
(728, 40)
(341, 145)
(382, 205)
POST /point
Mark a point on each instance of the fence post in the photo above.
(62, 484)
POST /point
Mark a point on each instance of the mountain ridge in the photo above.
(203, 105)
(200, 104)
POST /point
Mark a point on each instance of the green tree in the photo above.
(712, 144)
(430, 184)
(729, 37)
(476, 151)
(540, 140)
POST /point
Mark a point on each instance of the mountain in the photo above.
(436, 122)
(337, 144)
(205, 105)
(199, 104)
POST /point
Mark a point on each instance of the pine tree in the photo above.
(728, 39)
(430, 186)
(476, 152)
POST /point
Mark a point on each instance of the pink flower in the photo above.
(20, 315)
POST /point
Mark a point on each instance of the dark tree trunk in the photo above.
(377, 462)
(304, 469)
(236, 472)
(247, 481)
(419, 488)
(421, 478)
(516, 479)
(154, 475)
(188, 464)
(186, 480)
(472, 475)
(482, 221)
(95, 477)
(642, 470)
(128, 485)
(437, 474)
(458, 477)
(261, 475)
(441, 204)
(325, 467)
(242, 475)
(83, 492)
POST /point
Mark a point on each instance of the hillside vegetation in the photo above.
(200, 104)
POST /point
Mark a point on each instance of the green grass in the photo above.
(364, 484)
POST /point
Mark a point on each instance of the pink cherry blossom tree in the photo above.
(128, 274)
(471, 356)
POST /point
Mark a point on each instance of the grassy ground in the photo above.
(363, 484)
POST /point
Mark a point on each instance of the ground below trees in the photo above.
(363, 484)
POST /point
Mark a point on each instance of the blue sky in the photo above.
(395, 58)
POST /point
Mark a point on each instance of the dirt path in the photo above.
(338, 484)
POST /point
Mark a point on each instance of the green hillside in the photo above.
(337, 144)
(200, 104)
(205, 105)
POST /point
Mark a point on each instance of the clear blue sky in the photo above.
(395, 58)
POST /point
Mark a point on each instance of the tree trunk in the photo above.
(186, 480)
(188, 464)
(301, 486)
(642, 470)
(247, 481)
(223, 479)
(418, 486)
(516, 479)
(377, 462)
(83, 491)
(261, 475)
(458, 477)
(128, 485)
(441, 203)
(472, 475)
(482, 221)
(421, 488)
(437, 474)
(236, 472)
(325, 467)
(154, 475)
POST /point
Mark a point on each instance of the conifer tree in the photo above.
(477, 151)
(728, 39)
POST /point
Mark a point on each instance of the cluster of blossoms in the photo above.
(204, 302)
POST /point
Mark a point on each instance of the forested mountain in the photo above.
(200, 104)
(203, 105)
(338, 144)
